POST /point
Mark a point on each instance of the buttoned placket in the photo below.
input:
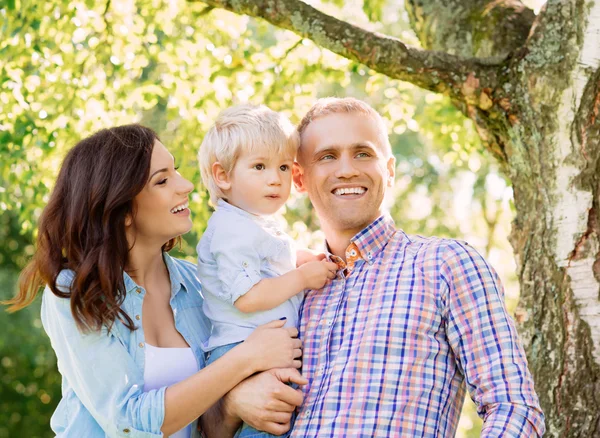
(324, 354)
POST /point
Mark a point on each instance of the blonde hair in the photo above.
(335, 105)
(244, 128)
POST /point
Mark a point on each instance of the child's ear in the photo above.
(298, 177)
(220, 176)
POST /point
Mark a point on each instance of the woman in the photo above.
(124, 318)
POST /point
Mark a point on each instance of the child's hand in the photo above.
(317, 274)
(273, 346)
(304, 256)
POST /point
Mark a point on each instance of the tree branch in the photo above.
(478, 28)
(467, 80)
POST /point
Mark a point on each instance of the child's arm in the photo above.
(269, 293)
(306, 255)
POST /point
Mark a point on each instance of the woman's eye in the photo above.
(162, 182)
(259, 166)
(284, 168)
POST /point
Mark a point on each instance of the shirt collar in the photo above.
(175, 277)
(372, 239)
(366, 244)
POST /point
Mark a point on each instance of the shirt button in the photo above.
(126, 431)
(307, 413)
(137, 317)
(245, 264)
(278, 233)
(141, 344)
(138, 290)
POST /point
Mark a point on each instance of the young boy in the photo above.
(246, 263)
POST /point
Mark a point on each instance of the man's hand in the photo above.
(264, 401)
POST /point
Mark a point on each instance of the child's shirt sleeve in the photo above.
(236, 247)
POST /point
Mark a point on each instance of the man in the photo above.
(410, 322)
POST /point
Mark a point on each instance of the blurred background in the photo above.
(69, 68)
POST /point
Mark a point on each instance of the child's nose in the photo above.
(274, 178)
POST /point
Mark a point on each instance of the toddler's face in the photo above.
(260, 184)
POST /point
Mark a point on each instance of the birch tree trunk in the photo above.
(531, 84)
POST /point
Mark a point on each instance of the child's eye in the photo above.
(284, 167)
(259, 166)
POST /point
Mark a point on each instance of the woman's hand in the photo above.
(264, 401)
(272, 346)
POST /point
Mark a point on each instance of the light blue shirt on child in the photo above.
(237, 250)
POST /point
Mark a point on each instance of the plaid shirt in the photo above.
(390, 344)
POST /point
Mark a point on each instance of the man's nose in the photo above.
(346, 168)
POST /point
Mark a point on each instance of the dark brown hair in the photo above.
(83, 226)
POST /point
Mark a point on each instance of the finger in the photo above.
(274, 324)
(279, 417)
(321, 256)
(331, 275)
(276, 428)
(279, 406)
(296, 343)
(293, 332)
(297, 353)
(331, 265)
(286, 393)
(297, 363)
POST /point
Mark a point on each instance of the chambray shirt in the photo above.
(237, 250)
(391, 345)
(103, 372)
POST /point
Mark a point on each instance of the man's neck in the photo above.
(338, 240)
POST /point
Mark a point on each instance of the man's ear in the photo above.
(391, 168)
(298, 177)
(220, 176)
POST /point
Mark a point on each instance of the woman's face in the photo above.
(161, 209)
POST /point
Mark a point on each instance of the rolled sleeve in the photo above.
(236, 253)
(102, 374)
(486, 345)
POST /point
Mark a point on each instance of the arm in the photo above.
(236, 251)
(269, 293)
(485, 342)
(107, 381)
(263, 401)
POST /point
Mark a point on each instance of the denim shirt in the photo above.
(237, 250)
(103, 372)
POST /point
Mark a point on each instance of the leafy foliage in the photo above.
(72, 67)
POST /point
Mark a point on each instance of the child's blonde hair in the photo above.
(244, 128)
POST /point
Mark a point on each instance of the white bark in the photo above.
(573, 205)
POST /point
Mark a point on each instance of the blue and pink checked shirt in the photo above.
(393, 342)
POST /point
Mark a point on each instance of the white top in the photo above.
(237, 250)
(167, 366)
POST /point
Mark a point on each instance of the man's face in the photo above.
(345, 168)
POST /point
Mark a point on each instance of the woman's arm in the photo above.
(108, 382)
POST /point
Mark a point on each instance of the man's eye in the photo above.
(363, 155)
(259, 166)
(284, 168)
(326, 157)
